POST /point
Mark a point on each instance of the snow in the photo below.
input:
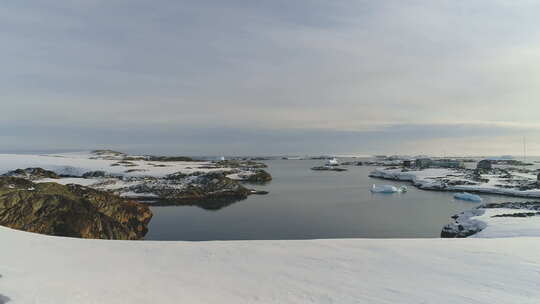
(134, 172)
(504, 227)
(44, 269)
(428, 179)
(131, 194)
(241, 175)
(332, 162)
(70, 180)
(76, 164)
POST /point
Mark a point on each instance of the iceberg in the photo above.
(388, 189)
(332, 162)
(468, 197)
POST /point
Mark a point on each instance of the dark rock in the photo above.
(135, 170)
(176, 176)
(182, 189)
(484, 164)
(32, 173)
(107, 154)
(328, 168)
(244, 164)
(70, 210)
(124, 163)
(463, 226)
(520, 214)
(258, 177)
(170, 158)
(4, 299)
(532, 205)
(94, 174)
(259, 192)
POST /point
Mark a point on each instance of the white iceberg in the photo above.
(468, 197)
(388, 189)
(332, 162)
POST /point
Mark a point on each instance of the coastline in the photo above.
(431, 181)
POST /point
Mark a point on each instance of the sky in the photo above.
(266, 77)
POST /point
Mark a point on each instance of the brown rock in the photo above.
(70, 210)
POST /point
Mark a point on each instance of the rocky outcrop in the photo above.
(463, 225)
(259, 176)
(95, 174)
(243, 164)
(107, 154)
(70, 210)
(170, 158)
(192, 189)
(484, 164)
(328, 168)
(32, 173)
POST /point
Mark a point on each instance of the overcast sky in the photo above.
(271, 76)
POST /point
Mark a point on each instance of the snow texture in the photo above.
(432, 179)
(44, 269)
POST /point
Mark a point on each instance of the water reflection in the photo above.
(206, 204)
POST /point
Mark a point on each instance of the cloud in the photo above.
(270, 69)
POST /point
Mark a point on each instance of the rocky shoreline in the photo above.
(514, 182)
(469, 223)
(109, 195)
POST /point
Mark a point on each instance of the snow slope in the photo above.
(44, 269)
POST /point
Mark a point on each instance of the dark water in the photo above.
(306, 204)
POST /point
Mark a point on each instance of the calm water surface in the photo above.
(306, 204)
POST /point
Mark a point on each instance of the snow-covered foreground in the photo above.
(44, 269)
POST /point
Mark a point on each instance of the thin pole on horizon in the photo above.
(524, 149)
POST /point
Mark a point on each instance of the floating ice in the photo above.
(468, 197)
(387, 189)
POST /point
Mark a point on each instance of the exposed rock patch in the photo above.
(463, 226)
(180, 189)
(70, 210)
(32, 173)
(258, 176)
(244, 164)
(328, 168)
(170, 158)
(95, 174)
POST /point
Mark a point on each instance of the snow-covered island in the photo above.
(504, 181)
(495, 220)
(165, 180)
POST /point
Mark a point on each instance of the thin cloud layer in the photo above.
(215, 77)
